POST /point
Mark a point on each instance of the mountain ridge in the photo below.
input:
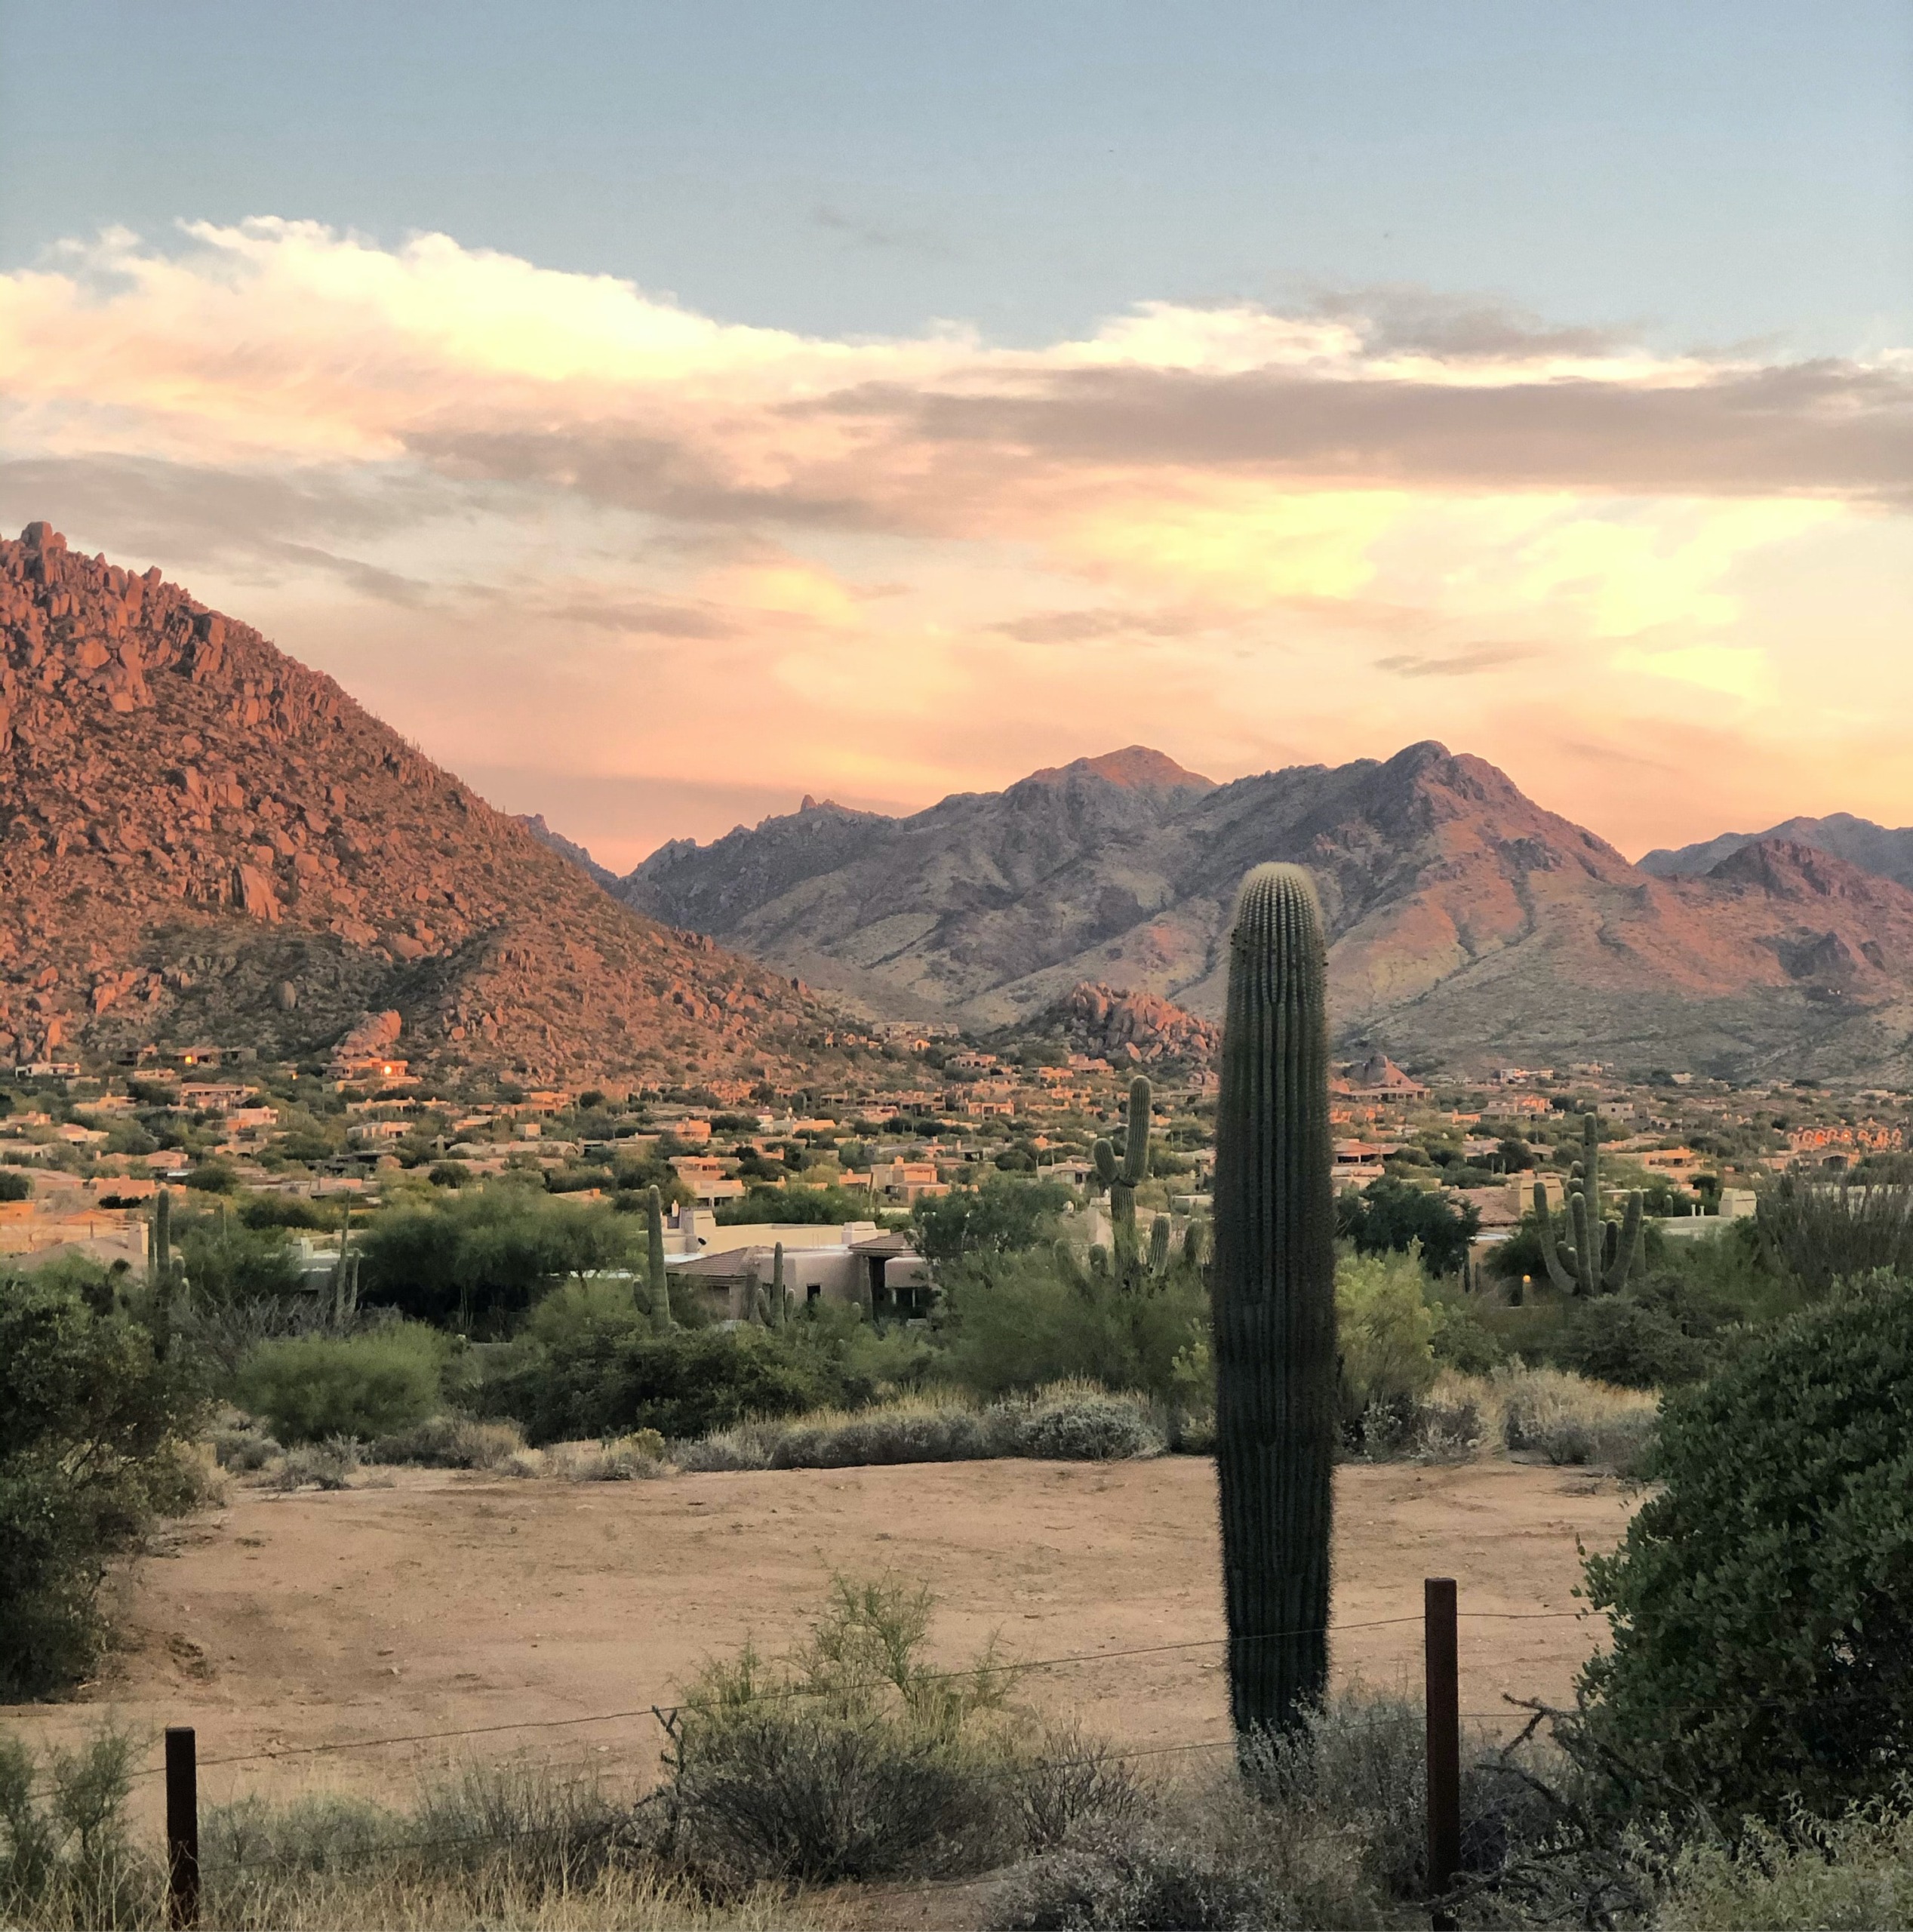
(1887, 850)
(1466, 921)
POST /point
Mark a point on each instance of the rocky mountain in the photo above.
(1873, 848)
(1126, 1029)
(1466, 923)
(203, 842)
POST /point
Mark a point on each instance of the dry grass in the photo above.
(1066, 1421)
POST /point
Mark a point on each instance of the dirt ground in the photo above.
(538, 1610)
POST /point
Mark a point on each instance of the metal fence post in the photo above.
(1443, 1700)
(182, 1827)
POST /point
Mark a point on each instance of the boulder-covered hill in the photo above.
(1465, 922)
(1886, 850)
(203, 841)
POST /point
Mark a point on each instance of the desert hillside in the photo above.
(202, 841)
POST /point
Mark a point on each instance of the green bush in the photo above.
(1020, 1322)
(1391, 1216)
(15, 1186)
(94, 1426)
(311, 1387)
(818, 1207)
(1821, 1232)
(853, 1758)
(1003, 1216)
(609, 1381)
(65, 1851)
(1385, 1329)
(1762, 1600)
(479, 1257)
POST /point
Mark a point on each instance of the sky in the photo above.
(659, 412)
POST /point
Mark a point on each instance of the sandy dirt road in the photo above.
(445, 1601)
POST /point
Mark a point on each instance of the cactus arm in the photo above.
(1274, 1276)
(1587, 1251)
(1104, 1155)
(1628, 1249)
(1557, 1272)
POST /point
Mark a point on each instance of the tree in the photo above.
(1390, 1215)
(1002, 1216)
(1762, 1600)
(94, 1425)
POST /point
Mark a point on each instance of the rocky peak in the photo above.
(1135, 768)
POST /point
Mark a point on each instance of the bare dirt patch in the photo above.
(445, 1601)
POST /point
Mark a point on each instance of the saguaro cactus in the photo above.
(1604, 1254)
(162, 1236)
(780, 1308)
(1122, 1178)
(1273, 1286)
(660, 1284)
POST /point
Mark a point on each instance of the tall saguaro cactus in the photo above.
(779, 1309)
(1274, 1289)
(1123, 1178)
(1604, 1254)
(660, 1281)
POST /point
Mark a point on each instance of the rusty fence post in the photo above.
(1444, 1697)
(182, 1827)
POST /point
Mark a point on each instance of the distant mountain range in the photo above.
(204, 843)
(1873, 848)
(1467, 924)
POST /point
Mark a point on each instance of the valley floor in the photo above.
(444, 1602)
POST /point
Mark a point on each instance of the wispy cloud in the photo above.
(893, 566)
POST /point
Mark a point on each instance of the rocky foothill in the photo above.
(1128, 1029)
(201, 841)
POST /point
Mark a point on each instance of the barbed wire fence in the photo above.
(181, 1765)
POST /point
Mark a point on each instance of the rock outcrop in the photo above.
(1127, 1029)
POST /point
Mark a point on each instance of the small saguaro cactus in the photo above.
(1273, 1291)
(779, 1310)
(1195, 1245)
(1122, 1178)
(1604, 1254)
(1159, 1233)
(754, 1308)
(660, 1280)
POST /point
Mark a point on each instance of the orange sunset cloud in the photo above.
(651, 572)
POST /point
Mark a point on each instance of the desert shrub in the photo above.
(1002, 1216)
(475, 1258)
(604, 1383)
(1634, 1341)
(1854, 1871)
(822, 1207)
(95, 1425)
(1762, 1600)
(1568, 1420)
(227, 1261)
(328, 1464)
(451, 1442)
(851, 1758)
(1324, 1826)
(1018, 1321)
(1820, 1232)
(65, 1853)
(624, 1458)
(1385, 1332)
(313, 1387)
(242, 1446)
(1066, 1422)
(15, 1187)
(286, 1210)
